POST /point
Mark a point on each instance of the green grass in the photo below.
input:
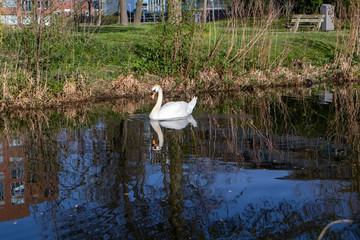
(109, 51)
(113, 49)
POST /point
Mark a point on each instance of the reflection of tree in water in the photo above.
(280, 220)
(282, 132)
(113, 186)
(184, 199)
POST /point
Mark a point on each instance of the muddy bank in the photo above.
(132, 86)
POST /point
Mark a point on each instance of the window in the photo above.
(26, 5)
(2, 191)
(46, 5)
(27, 8)
(16, 159)
(15, 200)
(43, 4)
(26, 20)
(9, 19)
(47, 20)
(18, 172)
(48, 192)
(9, 3)
(17, 189)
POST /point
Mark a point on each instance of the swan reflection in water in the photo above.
(177, 124)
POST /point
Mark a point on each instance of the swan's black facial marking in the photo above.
(154, 145)
(153, 92)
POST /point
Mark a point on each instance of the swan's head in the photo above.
(154, 90)
(155, 147)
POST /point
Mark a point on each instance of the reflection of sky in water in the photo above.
(107, 190)
(212, 190)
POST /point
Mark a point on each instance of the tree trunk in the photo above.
(203, 19)
(174, 11)
(138, 12)
(100, 13)
(123, 13)
(119, 15)
(89, 6)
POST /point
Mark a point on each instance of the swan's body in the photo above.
(170, 110)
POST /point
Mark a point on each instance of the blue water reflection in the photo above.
(217, 176)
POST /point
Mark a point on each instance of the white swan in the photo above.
(170, 110)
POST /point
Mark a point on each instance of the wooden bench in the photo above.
(309, 21)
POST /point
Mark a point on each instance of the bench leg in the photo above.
(318, 26)
(295, 28)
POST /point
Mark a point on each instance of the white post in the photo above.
(329, 12)
(130, 11)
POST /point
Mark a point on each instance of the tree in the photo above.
(204, 12)
(138, 12)
(100, 13)
(122, 18)
(308, 6)
(288, 6)
(90, 2)
(174, 11)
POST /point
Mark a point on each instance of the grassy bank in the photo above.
(47, 65)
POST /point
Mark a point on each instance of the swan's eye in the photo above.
(153, 92)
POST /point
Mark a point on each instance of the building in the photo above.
(19, 185)
(17, 12)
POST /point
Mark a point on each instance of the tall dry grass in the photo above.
(347, 24)
(254, 23)
(246, 40)
(250, 40)
(1, 26)
(39, 60)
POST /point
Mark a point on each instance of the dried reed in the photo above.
(347, 23)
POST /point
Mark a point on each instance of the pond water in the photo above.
(276, 164)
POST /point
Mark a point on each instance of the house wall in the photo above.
(17, 12)
(17, 188)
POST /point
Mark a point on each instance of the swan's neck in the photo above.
(157, 106)
(157, 128)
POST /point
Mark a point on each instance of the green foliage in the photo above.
(173, 51)
(308, 6)
(55, 54)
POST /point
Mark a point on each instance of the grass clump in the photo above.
(47, 62)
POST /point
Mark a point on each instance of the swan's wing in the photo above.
(191, 105)
(173, 110)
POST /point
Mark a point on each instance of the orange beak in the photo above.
(153, 94)
(153, 143)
